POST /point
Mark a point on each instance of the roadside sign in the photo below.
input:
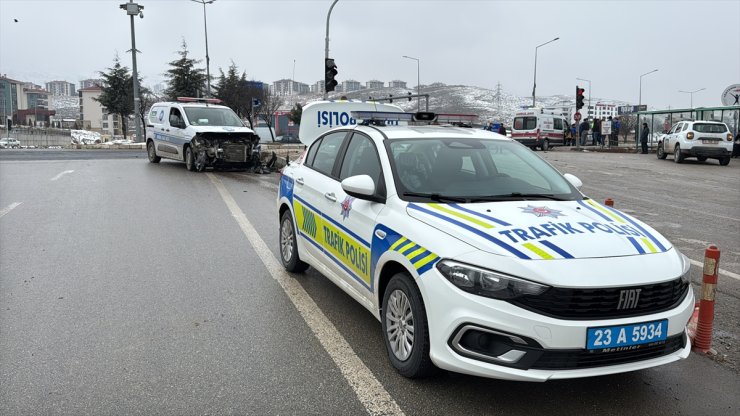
(577, 116)
(606, 127)
(731, 95)
(629, 109)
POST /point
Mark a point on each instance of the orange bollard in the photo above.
(703, 339)
(609, 202)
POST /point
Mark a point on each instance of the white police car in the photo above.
(475, 254)
(201, 133)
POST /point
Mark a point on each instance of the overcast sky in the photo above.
(693, 44)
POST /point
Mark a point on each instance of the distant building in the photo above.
(351, 85)
(10, 98)
(88, 83)
(397, 84)
(375, 85)
(289, 87)
(94, 116)
(60, 88)
(599, 110)
(318, 87)
(34, 107)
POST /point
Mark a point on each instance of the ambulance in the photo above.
(535, 129)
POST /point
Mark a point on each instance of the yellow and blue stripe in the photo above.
(420, 257)
(467, 227)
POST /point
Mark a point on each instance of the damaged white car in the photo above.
(202, 134)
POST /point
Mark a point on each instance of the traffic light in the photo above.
(330, 72)
(579, 97)
(409, 96)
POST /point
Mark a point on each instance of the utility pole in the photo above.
(132, 9)
(326, 50)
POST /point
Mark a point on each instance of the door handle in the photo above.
(380, 234)
(299, 181)
(330, 196)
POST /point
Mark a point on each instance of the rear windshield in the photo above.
(525, 123)
(709, 128)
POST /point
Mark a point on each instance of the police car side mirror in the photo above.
(573, 179)
(361, 187)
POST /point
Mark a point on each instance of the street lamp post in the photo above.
(418, 83)
(534, 86)
(691, 93)
(647, 73)
(132, 9)
(639, 103)
(208, 59)
(326, 49)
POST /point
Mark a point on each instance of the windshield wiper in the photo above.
(516, 196)
(436, 197)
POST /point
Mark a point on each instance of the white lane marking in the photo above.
(719, 271)
(9, 208)
(368, 389)
(61, 174)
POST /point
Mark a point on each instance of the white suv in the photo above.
(700, 139)
(10, 143)
(200, 133)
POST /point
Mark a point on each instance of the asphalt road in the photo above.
(132, 288)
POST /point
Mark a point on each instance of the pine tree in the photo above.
(296, 113)
(118, 92)
(183, 78)
(229, 89)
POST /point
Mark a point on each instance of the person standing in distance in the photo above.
(644, 138)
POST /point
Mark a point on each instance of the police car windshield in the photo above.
(473, 170)
(212, 116)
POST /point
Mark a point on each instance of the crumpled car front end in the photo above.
(226, 150)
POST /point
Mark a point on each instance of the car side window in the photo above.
(685, 126)
(361, 158)
(312, 153)
(176, 118)
(327, 151)
(558, 124)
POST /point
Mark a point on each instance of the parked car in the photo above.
(287, 138)
(10, 143)
(700, 139)
(476, 255)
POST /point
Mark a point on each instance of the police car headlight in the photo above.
(487, 283)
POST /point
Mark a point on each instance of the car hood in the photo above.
(543, 230)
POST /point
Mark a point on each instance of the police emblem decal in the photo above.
(346, 206)
(542, 211)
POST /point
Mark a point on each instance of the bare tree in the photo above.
(266, 111)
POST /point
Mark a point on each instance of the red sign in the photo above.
(577, 116)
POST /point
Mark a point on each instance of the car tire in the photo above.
(189, 159)
(405, 328)
(660, 152)
(677, 155)
(546, 145)
(289, 245)
(724, 161)
(151, 153)
(701, 158)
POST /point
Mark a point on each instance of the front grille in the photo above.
(601, 303)
(574, 359)
(235, 153)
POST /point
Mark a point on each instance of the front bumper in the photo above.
(541, 348)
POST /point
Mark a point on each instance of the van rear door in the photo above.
(524, 130)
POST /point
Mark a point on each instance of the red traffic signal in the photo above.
(579, 97)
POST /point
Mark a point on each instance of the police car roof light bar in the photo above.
(456, 118)
(198, 100)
